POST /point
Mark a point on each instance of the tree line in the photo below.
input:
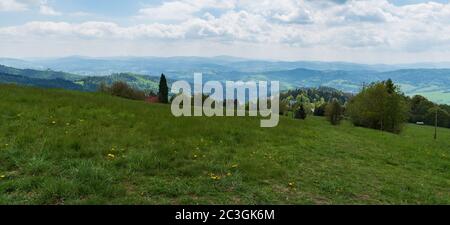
(379, 105)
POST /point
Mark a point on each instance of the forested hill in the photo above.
(57, 79)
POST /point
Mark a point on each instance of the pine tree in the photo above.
(163, 93)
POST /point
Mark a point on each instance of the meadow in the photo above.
(69, 147)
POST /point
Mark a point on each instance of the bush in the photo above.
(122, 89)
(333, 112)
(320, 110)
(379, 106)
(300, 113)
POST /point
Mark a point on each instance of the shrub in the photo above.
(333, 112)
(122, 89)
(320, 110)
(300, 113)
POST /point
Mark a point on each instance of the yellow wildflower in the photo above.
(111, 156)
(234, 166)
(229, 174)
(2, 176)
(291, 184)
(53, 122)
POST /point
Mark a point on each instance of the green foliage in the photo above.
(300, 113)
(141, 82)
(320, 110)
(423, 110)
(380, 106)
(163, 93)
(334, 112)
(122, 89)
(284, 107)
(316, 95)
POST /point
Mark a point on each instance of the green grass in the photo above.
(54, 148)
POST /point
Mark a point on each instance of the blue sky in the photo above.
(369, 31)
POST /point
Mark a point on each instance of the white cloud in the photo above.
(44, 9)
(340, 26)
(12, 6)
(182, 9)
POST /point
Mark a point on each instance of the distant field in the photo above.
(63, 147)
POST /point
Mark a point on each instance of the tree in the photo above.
(379, 105)
(300, 113)
(419, 110)
(163, 94)
(391, 88)
(333, 112)
(103, 88)
(284, 107)
(320, 110)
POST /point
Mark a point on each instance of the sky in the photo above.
(364, 31)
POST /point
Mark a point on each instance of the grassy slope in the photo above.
(54, 148)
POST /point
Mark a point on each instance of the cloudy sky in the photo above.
(369, 31)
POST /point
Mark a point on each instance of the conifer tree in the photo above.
(163, 93)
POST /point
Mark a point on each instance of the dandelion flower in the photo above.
(111, 156)
(291, 184)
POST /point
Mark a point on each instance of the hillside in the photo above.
(69, 81)
(141, 82)
(39, 74)
(45, 83)
(65, 147)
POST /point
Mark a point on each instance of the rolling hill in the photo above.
(431, 80)
(56, 79)
(69, 147)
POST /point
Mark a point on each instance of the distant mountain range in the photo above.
(428, 79)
